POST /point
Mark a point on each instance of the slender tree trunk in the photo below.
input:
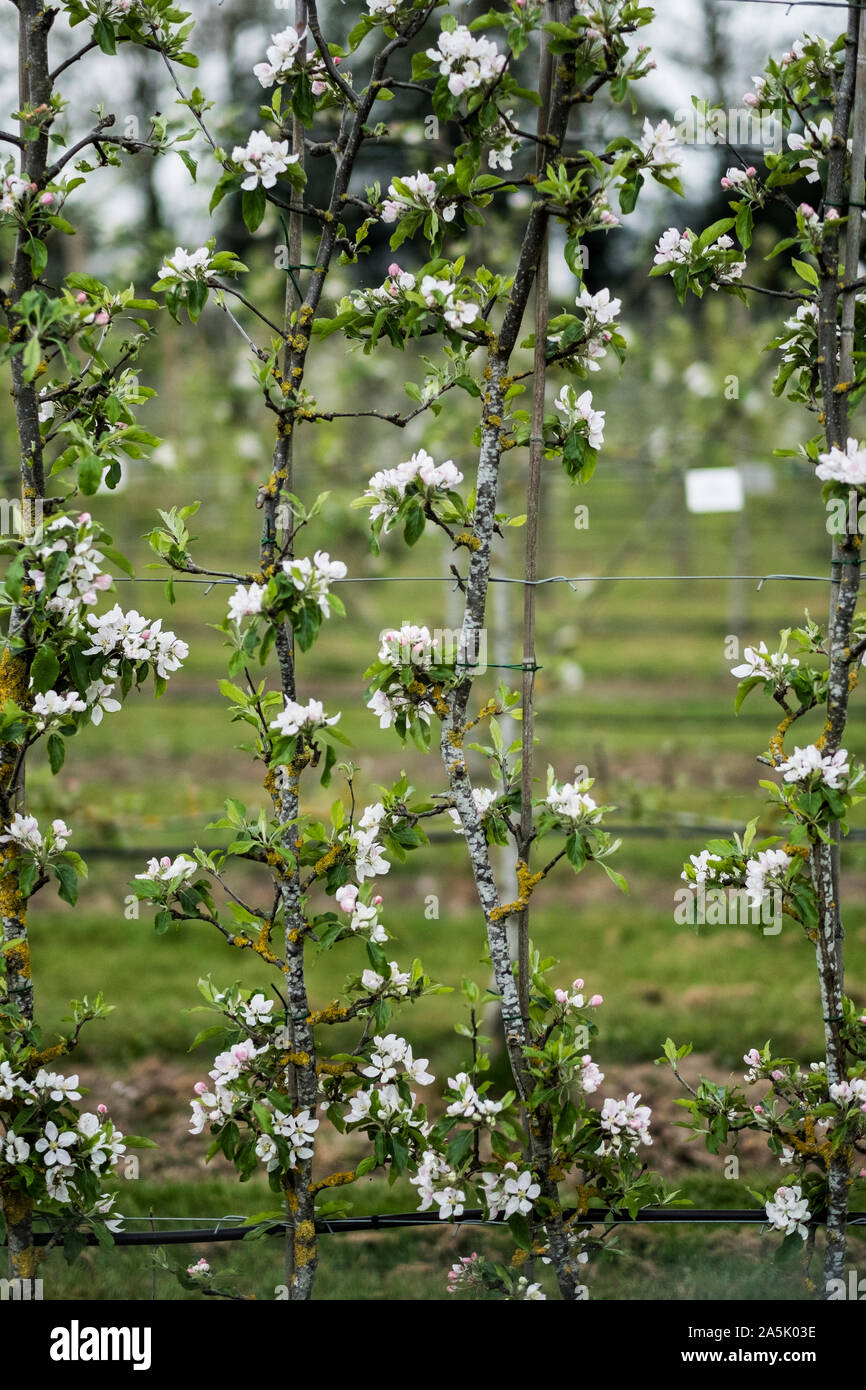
(836, 374)
(34, 23)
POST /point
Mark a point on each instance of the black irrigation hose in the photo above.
(343, 1225)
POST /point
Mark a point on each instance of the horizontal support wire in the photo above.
(594, 1216)
(507, 579)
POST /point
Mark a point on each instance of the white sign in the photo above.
(714, 490)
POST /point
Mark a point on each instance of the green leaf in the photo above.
(253, 206)
(806, 272)
(45, 669)
(68, 882)
(89, 473)
(56, 752)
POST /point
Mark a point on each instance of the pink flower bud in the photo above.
(102, 317)
(84, 518)
(750, 99)
(595, 1001)
(561, 996)
(778, 1075)
(751, 171)
(726, 183)
(81, 297)
(577, 984)
(377, 900)
(47, 199)
(102, 581)
(807, 210)
(758, 1109)
(200, 1088)
(102, 1109)
(394, 269)
(144, 636)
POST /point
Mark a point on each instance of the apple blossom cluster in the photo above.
(675, 248)
(396, 983)
(296, 719)
(281, 54)
(578, 414)
(832, 769)
(815, 140)
(660, 147)
(66, 1150)
(25, 833)
(393, 1053)
(414, 192)
(83, 578)
(436, 1183)
(314, 577)
(502, 144)
(770, 666)
(290, 1141)
(844, 466)
(408, 645)
(13, 191)
(702, 870)
(848, 1093)
(420, 474)
(389, 706)
(509, 1191)
(740, 179)
(466, 1275)
(440, 294)
(788, 1211)
(136, 639)
(235, 1076)
(600, 319)
(625, 1123)
(466, 61)
(172, 872)
(571, 803)
(187, 265)
(262, 159)
(370, 858)
(398, 283)
(246, 602)
(469, 1104)
(364, 917)
(764, 871)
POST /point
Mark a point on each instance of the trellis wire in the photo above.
(508, 579)
(346, 1225)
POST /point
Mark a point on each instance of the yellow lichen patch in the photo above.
(17, 955)
(519, 1258)
(335, 1068)
(305, 1243)
(298, 1059)
(14, 678)
(270, 782)
(526, 883)
(467, 539)
(584, 1196)
(11, 902)
(800, 851)
(322, 865)
(48, 1054)
(292, 1200)
(17, 1206)
(334, 1013)
(335, 1180)
(777, 742)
